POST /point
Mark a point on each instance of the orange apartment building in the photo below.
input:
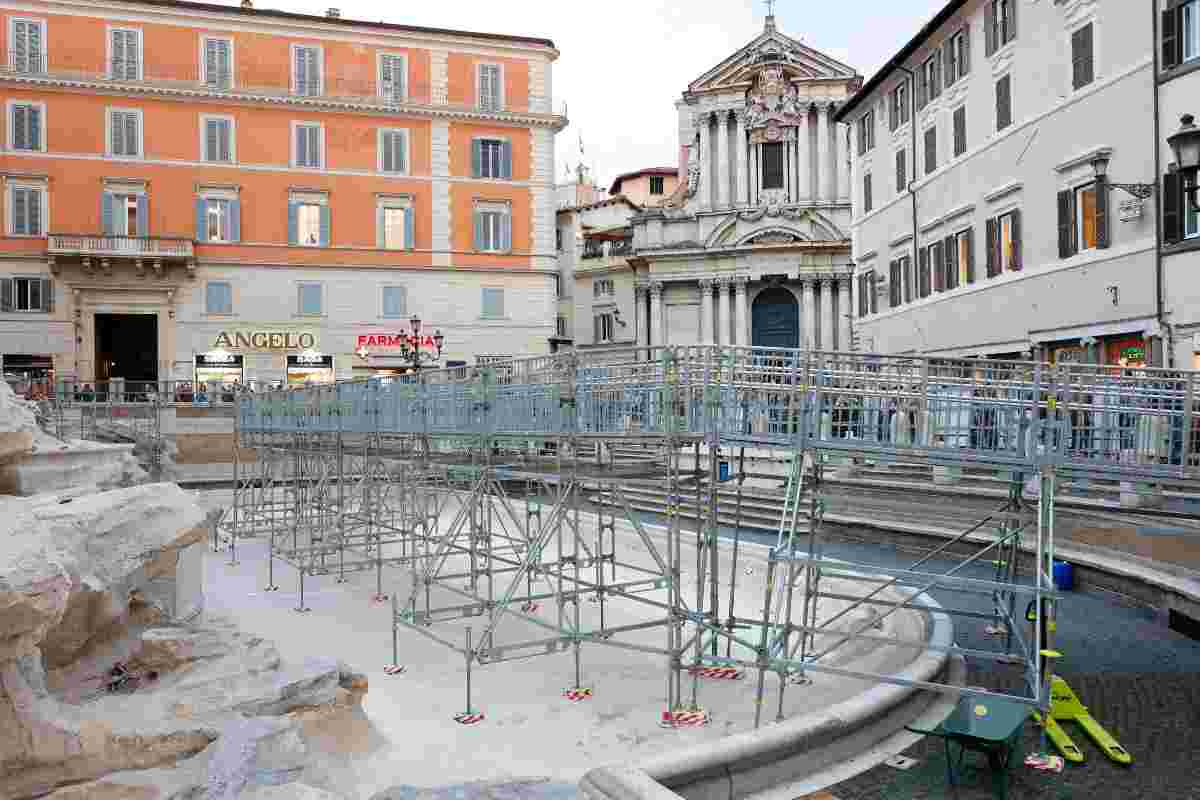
(214, 193)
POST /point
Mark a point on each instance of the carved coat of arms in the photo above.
(772, 106)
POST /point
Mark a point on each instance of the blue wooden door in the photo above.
(776, 319)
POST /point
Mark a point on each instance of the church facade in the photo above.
(753, 248)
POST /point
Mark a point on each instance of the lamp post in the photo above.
(1185, 145)
(1100, 167)
(410, 345)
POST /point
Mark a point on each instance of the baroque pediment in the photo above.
(797, 61)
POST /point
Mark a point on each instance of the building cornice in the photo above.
(118, 89)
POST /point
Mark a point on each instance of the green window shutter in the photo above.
(1171, 42)
(950, 258)
(106, 214)
(506, 232)
(923, 276)
(117, 133)
(477, 158)
(970, 255)
(48, 295)
(1016, 240)
(506, 160)
(1172, 206)
(1066, 223)
(965, 60)
(325, 226)
(35, 212)
(478, 243)
(385, 146)
(6, 294)
(235, 220)
(989, 25)
(400, 142)
(20, 211)
(293, 223)
(143, 215)
(410, 240)
(20, 127)
(381, 227)
(993, 247)
(1103, 230)
(201, 220)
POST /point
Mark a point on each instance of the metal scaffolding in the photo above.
(499, 489)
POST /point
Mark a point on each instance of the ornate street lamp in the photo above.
(410, 345)
(1139, 190)
(1185, 144)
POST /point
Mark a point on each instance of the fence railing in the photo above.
(134, 246)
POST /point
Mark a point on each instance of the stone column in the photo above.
(639, 313)
(656, 314)
(808, 335)
(845, 334)
(724, 287)
(704, 159)
(743, 187)
(706, 311)
(843, 163)
(741, 333)
(804, 134)
(723, 199)
(823, 159)
(826, 314)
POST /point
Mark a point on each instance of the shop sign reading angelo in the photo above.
(265, 340)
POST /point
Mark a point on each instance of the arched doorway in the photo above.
(776, 319)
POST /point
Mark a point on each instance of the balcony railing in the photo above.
(593, 248)
(611, 248)
(249, 78)
(119, 246)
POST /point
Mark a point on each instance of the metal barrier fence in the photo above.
(1136, 423)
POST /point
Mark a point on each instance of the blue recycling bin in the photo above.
(1064, 576)
(723, 471)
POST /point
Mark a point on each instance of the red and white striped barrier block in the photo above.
(469, 717)
(691, 718)
(394, 669)
(718, 673)
(577, 694)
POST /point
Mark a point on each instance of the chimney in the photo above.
(334, 13)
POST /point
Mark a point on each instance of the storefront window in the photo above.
(217, 377)
(1126, 352)
(307, 369)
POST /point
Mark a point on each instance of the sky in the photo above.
(624, 63)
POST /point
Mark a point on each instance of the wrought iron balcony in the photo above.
(593, 248)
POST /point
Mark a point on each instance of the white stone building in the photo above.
(1004, 186)
(763, 215)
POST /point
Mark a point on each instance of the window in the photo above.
(125, 213)
(1004, 243)
(867, 199)
(1180, 32)
(929, 80)
(656, 184)
(772, 165)
(493, 227)
(1000, 21)
(1082, 219)
(895, 279)
(309, 224)
(958, 56)
(27, 294)
(218, 63)
(218, 297)
(308, 299)
(306, 70)
(866, 293)
(218, 139)
(930, 150)
(124, 133)
(396, 221)
(393, 151)
(937, 266)
(308, 142)
(1003, 102)
(491, 87)
(910, 281)
(560, 327)
(901, 171)
(393, 78)
(558, 239)
(125, 54)
(960, 131)
(603, 328)
(395, 301)
(27, 45)
(492, 158)
(1180, 220)
(603, 287)
(26, 210)
(26, 126)
(965, 257)
(898, 106)
(866, 133)
(492, 303)
(1083, 69)
(218, 220)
